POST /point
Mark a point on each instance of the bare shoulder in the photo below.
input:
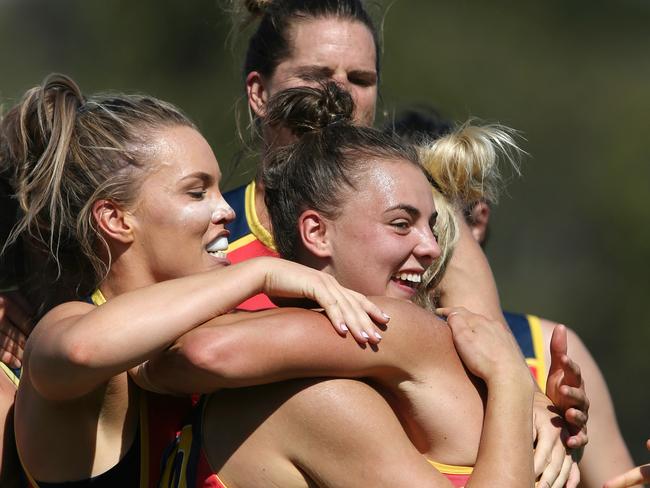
(404, 312)
(270, 316)
(65, 311)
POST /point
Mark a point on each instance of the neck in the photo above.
(124, 276)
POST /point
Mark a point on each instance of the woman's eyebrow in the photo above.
(200, 175)
(410, 209)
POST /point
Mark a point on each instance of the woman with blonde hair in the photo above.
(120, 194)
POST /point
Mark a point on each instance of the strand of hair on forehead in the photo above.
(465, 162)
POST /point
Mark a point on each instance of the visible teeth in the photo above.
(219, 244)
(412, 277)
(217, 254)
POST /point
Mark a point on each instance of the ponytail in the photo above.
(60, 153)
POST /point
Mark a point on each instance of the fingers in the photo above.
(543, 452)
(572, 374)
(633, 477)
(554, 470)
(11, 357)
(12, 338)
(351, 312)
(558, 343)
(574, 476)
(565, 471)
(16, 313)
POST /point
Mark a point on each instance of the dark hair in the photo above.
(270, 45)
(328, 160)
(419, 125)
(60, 152)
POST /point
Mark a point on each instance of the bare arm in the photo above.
(367, 446)
(264, 347)
(77, 347)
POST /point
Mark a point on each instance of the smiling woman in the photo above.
(124, 190)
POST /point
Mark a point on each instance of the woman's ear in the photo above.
(479, 221)
(314, 233)
(257, 93)
(112, 221)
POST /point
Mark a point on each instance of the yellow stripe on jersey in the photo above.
(241, 242)
(258, 230)
(98, 297)
(10, 374)
(451, 469)
(539, 361)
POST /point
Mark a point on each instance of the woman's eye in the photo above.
(198, 195)
(400, 224)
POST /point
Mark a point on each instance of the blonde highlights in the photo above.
(61, 152)
(465, 167)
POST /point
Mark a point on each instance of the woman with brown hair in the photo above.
(120, 194)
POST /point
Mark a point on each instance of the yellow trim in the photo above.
(144, 440)
(10, 374)
(241, 242)
(538, 347)
(254, 223)
(451, 469)
(98, 297)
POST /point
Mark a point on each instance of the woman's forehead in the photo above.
(331, 39)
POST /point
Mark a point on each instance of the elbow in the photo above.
(216, 357)
(57, 376)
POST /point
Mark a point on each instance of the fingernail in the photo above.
(386, 316)
(365, 335)
(344, 328)
(378, 335)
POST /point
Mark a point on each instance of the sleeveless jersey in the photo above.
(160, 417)
(248, 237)
(527, 330)
(13, 376)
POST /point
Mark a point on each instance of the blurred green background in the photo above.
(571, 239)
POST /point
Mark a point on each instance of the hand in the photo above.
(566, 389)
(15, 326)
(346, 309)
(633, 477)
(484, 345)
(555, 466)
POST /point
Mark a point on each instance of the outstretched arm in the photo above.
(77, 347)
(244, 349)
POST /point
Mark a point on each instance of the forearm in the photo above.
(254, 352)
(505, 456)
(87, 349)
(247, 349)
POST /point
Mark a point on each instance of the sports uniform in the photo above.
(248, 237)
(160, 417)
